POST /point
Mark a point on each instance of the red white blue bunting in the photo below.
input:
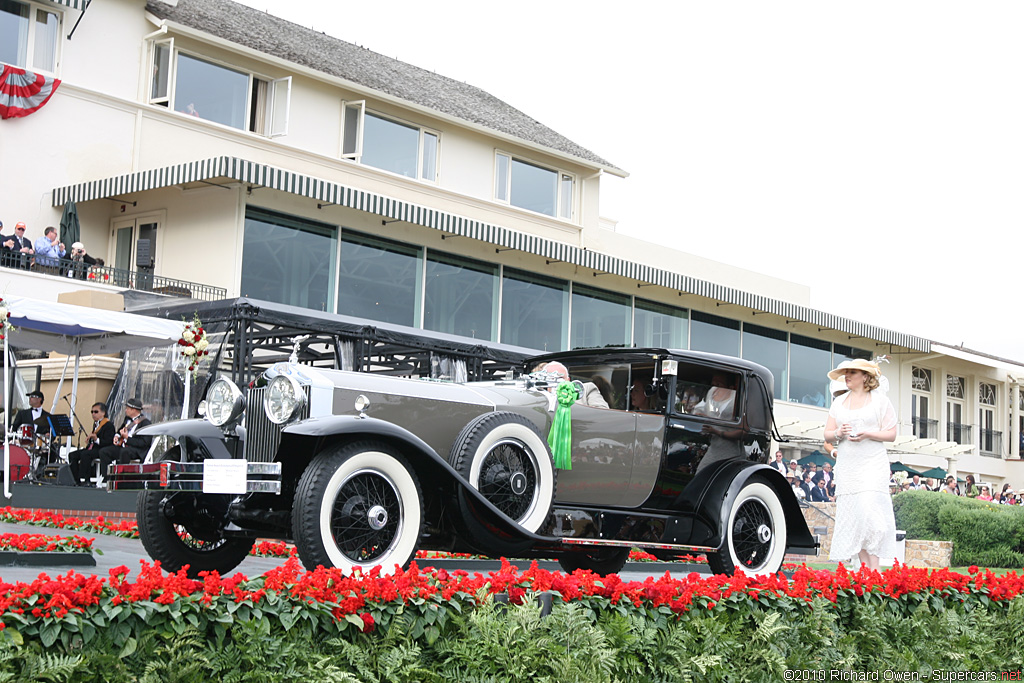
(23, 92)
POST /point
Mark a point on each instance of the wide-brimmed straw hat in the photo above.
(855, 364)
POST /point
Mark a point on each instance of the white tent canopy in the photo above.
(77, 331)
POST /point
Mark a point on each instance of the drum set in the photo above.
(30, 452)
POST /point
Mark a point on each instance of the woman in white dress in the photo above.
(860, 422)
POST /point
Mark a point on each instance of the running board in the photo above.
(638, 544)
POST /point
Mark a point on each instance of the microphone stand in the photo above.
(81, 427)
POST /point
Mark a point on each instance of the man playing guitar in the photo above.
(127, 445)
(102, 435)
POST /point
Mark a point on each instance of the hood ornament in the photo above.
(296, 343)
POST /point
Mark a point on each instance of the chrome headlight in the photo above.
(283, 399)
(224, 402)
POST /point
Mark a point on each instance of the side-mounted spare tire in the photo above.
(755, 533)
(504, 457)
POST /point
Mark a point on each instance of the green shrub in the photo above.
(982, 533)
(917, 513)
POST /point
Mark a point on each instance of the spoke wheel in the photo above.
(357, 506)
(755, 538)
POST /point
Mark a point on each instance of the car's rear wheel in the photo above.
(755, 538)
(504, 457)
(358, 505)
(180, 529)
(601, 561)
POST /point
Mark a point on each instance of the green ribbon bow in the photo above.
(560, 436)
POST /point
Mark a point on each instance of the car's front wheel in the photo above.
(358, 505)
(180, 529)
(755, 538)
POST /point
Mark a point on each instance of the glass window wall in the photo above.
(534, 311)
(769, 348)
(810, 361)
(461, 296)
(659, 326)
(379, 279)
(288, 261)
(714, 334)
(599, 318)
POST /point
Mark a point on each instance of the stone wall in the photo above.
(820, 518)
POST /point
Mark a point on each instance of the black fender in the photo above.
(433, 471)
(722, 485)
(198, 437)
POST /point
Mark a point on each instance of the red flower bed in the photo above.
(365, 599)
(43, 543)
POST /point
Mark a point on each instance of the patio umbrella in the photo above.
(70, 231)
(934, 473)
(818, 458)
(23, 92)
(898, 466)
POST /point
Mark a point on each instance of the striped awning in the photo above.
(328, 192)
(73, 4)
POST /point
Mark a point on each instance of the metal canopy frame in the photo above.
(260, 333)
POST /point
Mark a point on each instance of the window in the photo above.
(533, 187)
(769, 348)
(214, 92)
(534, 311)
(659, 326)
(920, 398)
(599, 318)
(987, 394)
(387, 144)
(29, 36)
(460, 296)
(714, 334)
(809, 363)
(379, 280)
(288, 260)
(956, 430)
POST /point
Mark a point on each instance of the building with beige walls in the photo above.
(215, 151)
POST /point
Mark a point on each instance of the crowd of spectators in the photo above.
(969, 488)
(817, 484)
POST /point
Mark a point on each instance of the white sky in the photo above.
(873, 150)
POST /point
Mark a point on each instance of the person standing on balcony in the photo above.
(49, 251)
(860, 422)
(17, 248)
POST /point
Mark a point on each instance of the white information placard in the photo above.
(224, 476)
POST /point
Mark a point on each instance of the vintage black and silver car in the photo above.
(361, 469)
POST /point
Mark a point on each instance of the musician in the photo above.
(101, 436)
(28, 416)
(127, 444)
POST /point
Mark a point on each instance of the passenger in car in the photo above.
(589, 396)
(639, 399)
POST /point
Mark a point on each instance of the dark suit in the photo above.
(808, 489)
(819, 495)
(13, 257)
(24, 417)
(81, 460)
(134, 448)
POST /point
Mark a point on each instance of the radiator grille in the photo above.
(262, 437)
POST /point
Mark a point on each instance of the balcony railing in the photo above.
(990, 442)
(959, 433)
(127, 279)
(925, 428)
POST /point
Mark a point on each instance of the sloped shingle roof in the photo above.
(283, 39)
